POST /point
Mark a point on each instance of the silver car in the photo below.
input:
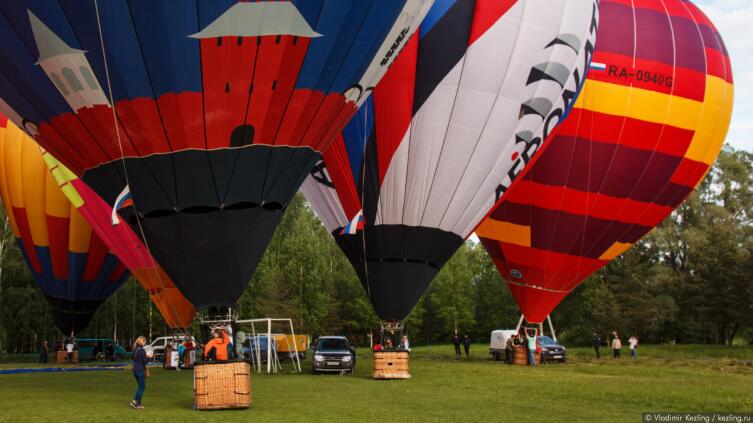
(333, 354)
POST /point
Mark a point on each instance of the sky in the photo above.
(734, 20)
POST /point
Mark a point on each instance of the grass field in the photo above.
(664, 378)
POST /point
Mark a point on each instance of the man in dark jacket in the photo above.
(597, 344)
(456, 342)
(467, 345)
(43, 351)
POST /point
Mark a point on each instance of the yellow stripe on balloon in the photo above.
(714, 121)
(63, 176)
(13, 163)
(505, 232)
(614, 251)
(33, 173)
(637, 103)
(4, 193)
(80, 232)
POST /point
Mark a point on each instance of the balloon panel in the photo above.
(644, 132)
(217, 108)
(458, 115)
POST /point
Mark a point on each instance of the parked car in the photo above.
(100, 349)
(247, 346)
(551, 350)
(157, 346)
(333, 354)
(498, 341)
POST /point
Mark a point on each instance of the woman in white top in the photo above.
(633, 341)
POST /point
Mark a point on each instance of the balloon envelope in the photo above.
(461, 111)
(210, 112)
(72, 266)
(649, 123)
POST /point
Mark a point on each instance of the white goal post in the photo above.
(273, 362)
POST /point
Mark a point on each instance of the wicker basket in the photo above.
(61, 357)
(222, 385)
(520, 358)
(391, 365)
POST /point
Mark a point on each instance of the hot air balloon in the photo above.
(644, 132)
(466, 104)
(209, 114)
(71, 265)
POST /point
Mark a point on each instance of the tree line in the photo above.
(689, 281)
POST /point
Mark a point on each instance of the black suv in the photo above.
(551, 350)
(333, 354)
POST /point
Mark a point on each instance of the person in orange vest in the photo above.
(216, 349)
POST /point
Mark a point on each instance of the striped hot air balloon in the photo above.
(464, 107)
(72, 266)
(648, 125)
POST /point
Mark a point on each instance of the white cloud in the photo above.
(734, 20)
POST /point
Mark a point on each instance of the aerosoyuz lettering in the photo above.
(396, 46)
(533, 143)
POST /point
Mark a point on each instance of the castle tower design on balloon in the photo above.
(252, 92)
(67, 68)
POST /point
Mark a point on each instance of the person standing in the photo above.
(44, 351)
(597, 344)
(616, 346)
(456, 342)
(69, 349)
(509, 345)
(467, 345)
(633, 341)
(404, 344)
(531, 345)
(217, 348)
(140, 371)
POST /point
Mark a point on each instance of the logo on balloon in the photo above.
(515, 273)
(543, 110)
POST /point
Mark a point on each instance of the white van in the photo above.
(157, 347)
(498, 341)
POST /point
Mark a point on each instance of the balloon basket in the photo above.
(520, 357)
(222, 385)
(172, 359)
(391, 365)
(61, 357)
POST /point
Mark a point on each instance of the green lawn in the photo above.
(665, 378)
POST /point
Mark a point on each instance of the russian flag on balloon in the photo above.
(354, 225)
(124, 200)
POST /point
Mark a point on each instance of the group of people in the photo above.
(466, 341)
(616, 344)
(386, 343)
(67, 344)
(525, 338)
(183, 348)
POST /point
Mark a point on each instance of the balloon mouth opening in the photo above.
(271, 206)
